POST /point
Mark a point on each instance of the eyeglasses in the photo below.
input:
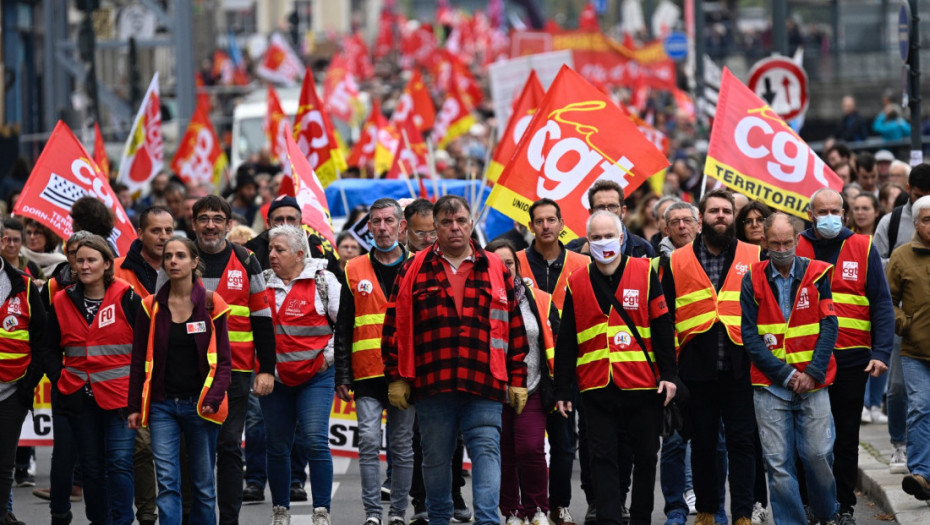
(613, 208)
(215, 219)
(13, 240)
(683, 220)
(34, 233)
(293, 221)
(750, 222)
(425, 235)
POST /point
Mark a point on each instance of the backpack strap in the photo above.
(893, 225)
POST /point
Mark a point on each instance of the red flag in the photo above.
(357, 57)
(415, 103)
(143, 154)
(658, 139)
(452, 73)
(577, 137)
(521, 112)
(384, 44)
(100, 152)
(363, 152)
(314, 210)
(200, 157)
(685, 104)
(588, 19)
(314, 134)
(418, 47)
(277, 125)
(754, 152)
(63, 174)
(280, 64)
(340, 90)
(388, 138)
(410, 156)
(454, 120)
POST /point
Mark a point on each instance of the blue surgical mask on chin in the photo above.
(386, 250)
(829, 226)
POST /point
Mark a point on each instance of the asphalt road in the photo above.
(347, 506)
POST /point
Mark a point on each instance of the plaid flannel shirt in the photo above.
(451, 353)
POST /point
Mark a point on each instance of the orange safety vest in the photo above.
(99, 352)
(499, 318)
(220, 308)
(300, 333)
(544, 306)
(129, 276)
(698, 305)
(573, 261)
(233, 286)
(15, 351)
(792, 341)
(606, 348)
(370, 306)
(848, 287)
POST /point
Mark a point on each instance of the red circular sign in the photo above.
(782, 84)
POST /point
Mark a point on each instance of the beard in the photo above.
(719, 240)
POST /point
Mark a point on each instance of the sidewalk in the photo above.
(884, 487)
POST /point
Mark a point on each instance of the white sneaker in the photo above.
(539, 518)
(691, 501)
(280, 516)
(898, 463)
(760, 514)
(877, 416)
(513, 519)
(321, 516)
(866, 415)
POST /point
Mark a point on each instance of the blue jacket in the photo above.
(891, 129)
(776, 370)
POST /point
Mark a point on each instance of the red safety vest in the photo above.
(544, 306)
(698, 306)
(233, 286)
(151, 309)
(300, 333)
(848, 286)
(792, 341)
(15, 350)
(606, 348)
(573, 261)
(370, 306)
(99, 352)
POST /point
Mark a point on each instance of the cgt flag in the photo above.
(277, 125)
(577, 136)
(280, 64)
(754, 152)
(520, 115)
(302, 183)
(363, 152)
(415, 103)
(200, 157)
(315, 136)
(63, 174)
(143, 155)
(454, 119)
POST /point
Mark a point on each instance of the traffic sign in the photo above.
(676, 45)
(904, 30)
(782, 84)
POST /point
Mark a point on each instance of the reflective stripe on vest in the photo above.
(370, 305)
(150, 307)
(607, 351)
(301, 333)
(98, 353)
(848, 284)
(573, 261)
(15, 350)
(544, 307)
(698, 306)
(233, 286)
(792, 341)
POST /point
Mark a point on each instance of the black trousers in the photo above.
(12, 415)
(731, 400)
(614, 416)
(229, 450)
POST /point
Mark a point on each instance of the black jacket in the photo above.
(135, 263)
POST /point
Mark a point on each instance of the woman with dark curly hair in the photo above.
(41, 246)
(749, 222)
(88, 213)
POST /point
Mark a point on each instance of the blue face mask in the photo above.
(829, 226)
(386, 250)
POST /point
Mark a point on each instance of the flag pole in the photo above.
(413, 193)
(492, 143)
(432, 167)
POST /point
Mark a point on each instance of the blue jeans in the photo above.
(897, 397)
(917, 379)
(310, 405)
(874, 389)
(255, 460)
(106, 444)
(674, 477)
(788, 429)
(64, 457)
(168, 420)
(441, 417)
(400, 443)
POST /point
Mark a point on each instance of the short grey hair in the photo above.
(296, 238)
(604, 213)
(658, 204)
(826, 190)
(387, 202)
(77, 237)
(682, 205)
(900, 164)
(922, 204)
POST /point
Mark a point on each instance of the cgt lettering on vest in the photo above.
(756, 189)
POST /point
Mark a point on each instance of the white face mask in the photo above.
(605, 251)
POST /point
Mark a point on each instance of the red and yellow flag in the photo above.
(200, 157)
(415, 103)
(577, 137)
(314, 135)
(363, 152)
(454, 120)
(410, 155)
(521, 112)
(277, 125)
(100, 152)
(144, 152)
(388, 138)
(754, 152)
(301, 182)
(341, 91)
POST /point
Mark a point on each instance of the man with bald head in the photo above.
(789, 329)
(866, 327)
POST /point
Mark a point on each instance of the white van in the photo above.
(248, 131)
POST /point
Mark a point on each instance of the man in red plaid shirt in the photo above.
(454, 338)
